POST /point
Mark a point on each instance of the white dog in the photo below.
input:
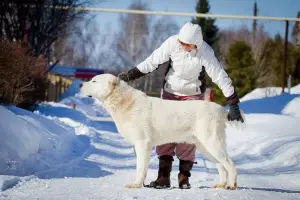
(148, 121)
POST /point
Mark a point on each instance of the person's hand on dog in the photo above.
(123, 76)
(235, 114)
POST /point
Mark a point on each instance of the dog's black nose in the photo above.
(80, 85)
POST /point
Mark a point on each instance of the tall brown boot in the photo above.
(164, 171)
(185, 167)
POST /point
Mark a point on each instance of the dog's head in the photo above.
(99, 87)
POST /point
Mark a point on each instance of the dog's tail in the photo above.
(235, 124)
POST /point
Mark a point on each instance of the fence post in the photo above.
(289, 84)
(283, 69)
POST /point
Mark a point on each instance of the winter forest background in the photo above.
(37, 36)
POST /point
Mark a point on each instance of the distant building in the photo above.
(64, 80)
(81, 73)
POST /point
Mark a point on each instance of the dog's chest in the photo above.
(128, 132)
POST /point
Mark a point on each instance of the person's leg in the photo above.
(165, 153)
(164, 172)
(185, 151)
(186, 154)
(165, 149)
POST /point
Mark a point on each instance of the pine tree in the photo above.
(209, 29)
(240, 61)
(296, 54)
(210, 35)
(296, 31)
(275, 58)
(254, 24)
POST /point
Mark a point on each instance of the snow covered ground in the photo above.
(58, 153)
(269, 92)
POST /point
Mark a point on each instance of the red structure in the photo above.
(76, 72)
(87, 73)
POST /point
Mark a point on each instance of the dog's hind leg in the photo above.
(222, 171)
(143, 152)
(203, 150)
(223, 176)
(218, 151)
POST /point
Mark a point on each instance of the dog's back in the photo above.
(180, 119)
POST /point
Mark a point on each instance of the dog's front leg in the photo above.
(143, 153)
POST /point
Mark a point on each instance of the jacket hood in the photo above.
(191, 34)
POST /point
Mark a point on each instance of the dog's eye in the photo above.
(93, 81)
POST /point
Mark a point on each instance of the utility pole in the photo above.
(283, 70)
(254, 24)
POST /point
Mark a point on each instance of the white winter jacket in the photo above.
(182, 78)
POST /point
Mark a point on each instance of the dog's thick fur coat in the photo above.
(149, 121)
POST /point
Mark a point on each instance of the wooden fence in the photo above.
(57, 85)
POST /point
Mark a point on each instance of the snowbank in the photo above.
(77, 118)
(260, 93)
(273, 105)
(7, 182)
(292, 108)
(295, 89)
(268, 145)
(31, 143)
(86, 105)
(270, 100)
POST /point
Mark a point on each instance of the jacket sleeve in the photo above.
(158, 56)
(218, 75)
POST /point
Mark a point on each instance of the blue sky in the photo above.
(279, 8)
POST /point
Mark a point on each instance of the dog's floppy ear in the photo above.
(113, 82)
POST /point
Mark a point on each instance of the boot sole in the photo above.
(158, 187)
(184, 187)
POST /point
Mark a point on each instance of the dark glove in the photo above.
(123, 76)
(131, 75)
(235, 114)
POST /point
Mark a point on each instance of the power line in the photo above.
(174, 13)
(186, 14)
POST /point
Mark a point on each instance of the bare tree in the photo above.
(85, 46)
(162, 28)
(296, 39)
(131, 40)
(79, 45)
(22, 79)
(270, 92)
(138, 37)
(259, 46)
(261, 50)
(33, 21)
(296, 31)
(229, 36)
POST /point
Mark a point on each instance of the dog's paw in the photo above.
(133, 185)
(219, 185)
(231, 187)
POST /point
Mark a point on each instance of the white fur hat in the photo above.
(191, 34)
